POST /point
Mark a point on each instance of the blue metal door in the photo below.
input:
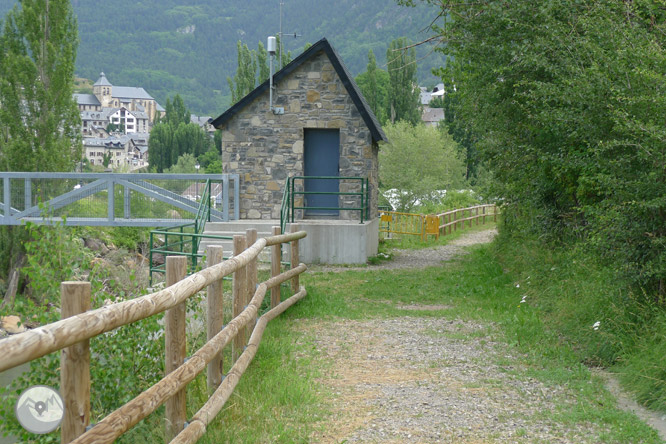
(322, 158)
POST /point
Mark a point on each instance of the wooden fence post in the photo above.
(175, 339)
(239, 289)
(484, 215)
(251, 269)
(494, 213)
(470, 218)
(215, 317)
(295, 283)
(276, 259)
(450, 220)
(75, 365)
(477, 216)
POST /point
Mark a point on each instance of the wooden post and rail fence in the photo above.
(393, 222)
(72, 334)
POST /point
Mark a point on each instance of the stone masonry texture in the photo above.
(265, 148)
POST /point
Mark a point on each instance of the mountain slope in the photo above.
(174, 46)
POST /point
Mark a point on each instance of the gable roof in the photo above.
(86, 99)
(130, 92)
(345, 76)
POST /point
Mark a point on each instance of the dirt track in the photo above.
(432, 379)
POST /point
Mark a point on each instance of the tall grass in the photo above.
(607, 324)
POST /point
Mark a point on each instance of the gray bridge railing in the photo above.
(109, 199)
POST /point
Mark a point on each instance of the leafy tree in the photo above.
(459, 128)
(106, 159)
(184, 165)
(190, 138)
(248, 61)
(217, 141)
(39, 119)
(246, 72)
(437, 102)
(262, 63)
(568, 109)
(208, 157)
(374, 84)
(417, 161)
(176, 112)
(215, 167)
(115, 127)
(284, 57)
(174, 135)
(403, 87)
(38, 115)
(159, 147)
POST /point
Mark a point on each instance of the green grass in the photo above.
(573, 292)
(276, 400)
(412, 242)
(280, 398)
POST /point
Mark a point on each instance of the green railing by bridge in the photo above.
(183, 240)
(290, 203)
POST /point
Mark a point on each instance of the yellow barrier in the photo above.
(394, 222)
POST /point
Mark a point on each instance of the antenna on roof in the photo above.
(280, 33)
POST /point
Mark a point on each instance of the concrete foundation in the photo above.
(338, 241)
(327, 242)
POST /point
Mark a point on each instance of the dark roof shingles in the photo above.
(345, 76)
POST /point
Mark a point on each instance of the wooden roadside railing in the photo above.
(451, 219)
(424, 225)
(79, 324)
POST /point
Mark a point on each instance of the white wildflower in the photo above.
(596, 325)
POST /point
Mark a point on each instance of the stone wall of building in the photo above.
(265, 148)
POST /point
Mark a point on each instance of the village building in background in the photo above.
(116, 123)
(432, 116)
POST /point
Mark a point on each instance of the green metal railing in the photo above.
(289, 207)
(184, 240)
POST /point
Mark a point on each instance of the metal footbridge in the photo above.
(109, 199)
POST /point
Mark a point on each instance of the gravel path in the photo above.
(434, 380)
(426, 257)
(425, 380)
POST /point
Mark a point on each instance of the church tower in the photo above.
(103, 91)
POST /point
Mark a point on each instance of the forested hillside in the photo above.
(175, 46)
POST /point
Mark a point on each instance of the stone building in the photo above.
(122, 150)
(131, 98)
(319, 125)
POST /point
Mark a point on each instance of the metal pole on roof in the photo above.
(280, 52)
(271, 52)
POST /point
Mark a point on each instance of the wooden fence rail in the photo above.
(76, 330)
(451, 219)
(425, 225)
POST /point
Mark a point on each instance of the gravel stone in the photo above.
(433, 380)
(426, 257)
(413, 380)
